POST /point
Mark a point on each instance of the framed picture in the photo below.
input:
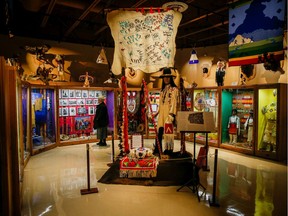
(89, 101)
(65, 111)
(96, 101)
(83, 123)
(97, 94)
(80, 101)
(63, 102)
(81, 110)
(72, 111)
(65, 93)
(78, 94)
(154, 107)
(72, 102)
(71, 93)
(84, 93)
(91, 110)
(91, 93)
(136, 141)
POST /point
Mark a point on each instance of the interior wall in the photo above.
(194, 73)
(82, 58)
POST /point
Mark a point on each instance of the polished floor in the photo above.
(244, 185)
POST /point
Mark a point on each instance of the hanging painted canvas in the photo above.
(255, 29)
(143, 41)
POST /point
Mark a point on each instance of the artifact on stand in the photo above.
(87, 79)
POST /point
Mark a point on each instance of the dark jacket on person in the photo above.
(101, 118)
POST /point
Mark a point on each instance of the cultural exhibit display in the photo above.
(144, 41)
(77, 108)
(271, 134)
(237, 104)
(43, 117)
(205, 100)
(139, 163)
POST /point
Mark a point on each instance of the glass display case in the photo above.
(272, 122)
(43, 118)
(77, 109)
(206, 100)
(237, 127)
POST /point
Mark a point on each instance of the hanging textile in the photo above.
(144, 42)
(255, 27)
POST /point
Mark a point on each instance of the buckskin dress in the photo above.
(167, 105)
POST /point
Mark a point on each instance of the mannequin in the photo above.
(233, 127)
(220, 73)
(169, 96)
(270, 112)
(249, 127)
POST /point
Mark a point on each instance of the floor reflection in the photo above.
(245, 185)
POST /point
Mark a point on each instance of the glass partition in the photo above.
(25, 123)
(77, 109)
(267, 120)
(237, 118)
(43, 120)
(207, 100)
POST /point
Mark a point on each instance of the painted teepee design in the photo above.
(102, 59)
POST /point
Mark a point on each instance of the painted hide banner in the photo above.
(144, 42)
(255, 27)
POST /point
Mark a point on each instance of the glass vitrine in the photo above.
(77, 109)
(237, 118)
(207, 100)
(272, 121)
(43, 118)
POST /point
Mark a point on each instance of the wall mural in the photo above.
(255, 27)
(145, 42)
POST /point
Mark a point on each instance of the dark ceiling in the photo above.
(204, 23)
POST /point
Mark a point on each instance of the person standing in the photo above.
(101, 121)
(167, 111)
(233, 127)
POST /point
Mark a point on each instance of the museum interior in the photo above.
(222, 152)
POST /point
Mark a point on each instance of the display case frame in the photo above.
(81, 105)
(271, 127)
(24, 114)
(43, 118)
(241, 98)
(205, 100)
